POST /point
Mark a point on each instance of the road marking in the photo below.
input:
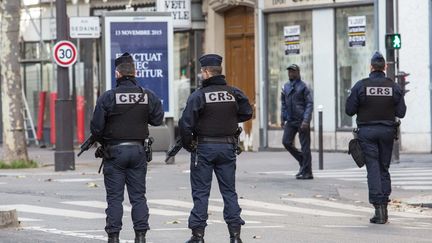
(78, 180)
(262, 227)
(28, 219)
(286, 208)
(177, 203)
(72, 234)
(416, 187)
(323, 203)
(56, 211)
(100, 204)
(408, 178)
(3, 183)
(345, 226)
(411, 183)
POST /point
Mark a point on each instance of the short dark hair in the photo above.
(378, 65)
(126, 69)
(213, 70)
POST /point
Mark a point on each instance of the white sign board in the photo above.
(84, 27)
(180, 9)
(65, 53)
(357, 31)
(292, 39)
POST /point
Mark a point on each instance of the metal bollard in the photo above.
(320, 138)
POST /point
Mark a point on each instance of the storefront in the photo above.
(332, 42)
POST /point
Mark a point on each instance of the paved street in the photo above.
(69, 206)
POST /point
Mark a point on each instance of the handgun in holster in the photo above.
(238, 149)
(148, 148)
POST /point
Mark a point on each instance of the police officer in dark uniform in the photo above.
(296, 115)
(207, 126)
(377, 100)
(120, 124)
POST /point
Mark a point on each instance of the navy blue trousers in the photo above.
(127, 165)
(304, 157)
(221, 159)
(377, 145)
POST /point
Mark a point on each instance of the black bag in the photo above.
(355, 150)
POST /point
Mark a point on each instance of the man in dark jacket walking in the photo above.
(296, 114)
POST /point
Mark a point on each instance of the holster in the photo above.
(148, 148)
(396, 130)
(104, 153)
(355, 150)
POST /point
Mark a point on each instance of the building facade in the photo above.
(331, 40)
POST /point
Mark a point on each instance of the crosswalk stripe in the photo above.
(323, 203)
(100, 204)
(345, 226)
(3, 183)
(393, 175)
(392, 179)
(72, 234)
(21, 219)
(177, 203)
(286, 208)
(417, 187)
(78, 180)
(55, 211)
(411, 182)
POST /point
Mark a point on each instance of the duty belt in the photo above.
(202, 139)
(116, 143)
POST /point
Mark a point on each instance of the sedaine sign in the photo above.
(84, 27)
(65, 53)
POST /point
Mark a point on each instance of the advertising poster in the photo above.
(149, 39)
(357, 31)
(292, 39)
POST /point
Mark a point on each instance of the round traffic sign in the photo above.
(65, 53)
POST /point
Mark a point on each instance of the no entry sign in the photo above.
(65, 53)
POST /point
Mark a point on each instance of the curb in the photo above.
(8, 218)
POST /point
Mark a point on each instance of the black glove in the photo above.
(304, 126)
(100, 152)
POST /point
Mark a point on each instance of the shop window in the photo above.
(182, 71)
(283, 51)
(355, 45)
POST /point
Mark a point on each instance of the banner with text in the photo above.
(292, 39)
(149, 39)
(357, 31)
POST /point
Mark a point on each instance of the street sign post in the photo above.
(65, 53)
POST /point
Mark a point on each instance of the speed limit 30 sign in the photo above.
(65, 53)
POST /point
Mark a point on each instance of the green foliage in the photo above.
(19, 164)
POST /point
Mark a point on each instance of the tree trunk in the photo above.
(14, 142)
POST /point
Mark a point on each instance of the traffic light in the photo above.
(401, 80)
(393, 41)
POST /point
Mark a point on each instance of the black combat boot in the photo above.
(197, 236)
(380, 214)
(234, 232)
(113, 238)
(385, 212)
(140, 236)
